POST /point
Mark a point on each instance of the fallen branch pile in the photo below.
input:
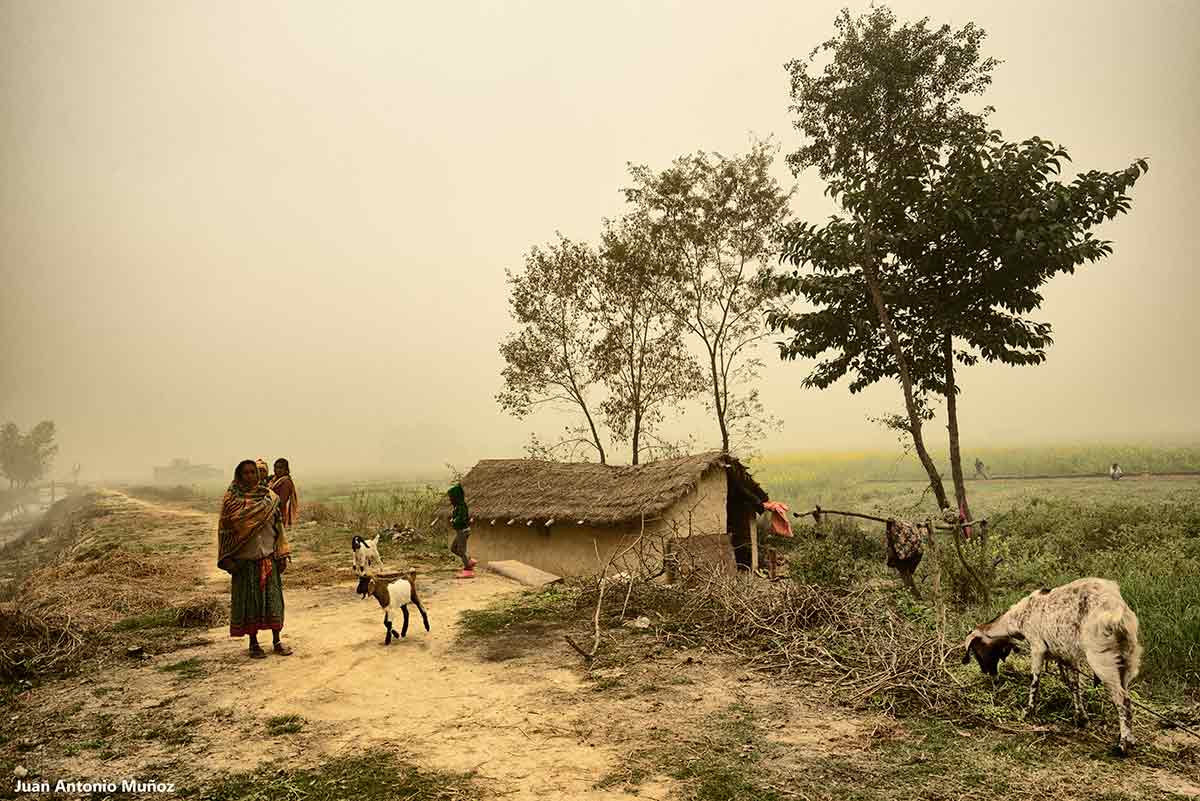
(853, 639)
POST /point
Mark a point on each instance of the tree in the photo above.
(993, 226)
(553, 358)
(646, 363)
(885, 108)
(950, 251)
(10, 443)
(716, 223)
(26, 457)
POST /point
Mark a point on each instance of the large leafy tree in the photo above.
(966, 269)
(886, 105)
(553, 357)
(949, 251)
(646, 364)
(716, 221)
(995, 224)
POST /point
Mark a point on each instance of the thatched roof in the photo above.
(530, 489)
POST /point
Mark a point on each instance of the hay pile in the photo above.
(102, 591)
(62, 612)
(33, 644)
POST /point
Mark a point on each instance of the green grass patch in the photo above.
(1143, 533)
(284, 724)
(379, 776)
(171, 734)
(186, 669)
(726, 767)
(530, 609)
(159, 618)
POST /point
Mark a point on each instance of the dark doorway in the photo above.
(742, 504)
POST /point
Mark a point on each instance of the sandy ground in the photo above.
(531, 727)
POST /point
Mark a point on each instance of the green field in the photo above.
(1142, 532)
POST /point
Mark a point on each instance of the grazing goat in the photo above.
(366, 556)
(401, 593)
(1084, 624)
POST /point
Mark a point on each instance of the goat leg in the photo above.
(424, 617)
(1037, 654)
(1067, 672)
(404, 628)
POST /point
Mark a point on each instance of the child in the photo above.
(460, 520)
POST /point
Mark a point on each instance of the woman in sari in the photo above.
(283, 486)
(252, 548)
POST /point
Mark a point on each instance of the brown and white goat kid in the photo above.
(1085, 625)
(399, 593)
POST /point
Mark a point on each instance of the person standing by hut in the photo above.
(252, 548)
(460, 521)
(283, 486)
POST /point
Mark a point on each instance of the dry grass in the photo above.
(101, 592)
(33, 644)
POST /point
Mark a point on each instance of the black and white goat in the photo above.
(1086, 626)
(366, 556)
(399, 593)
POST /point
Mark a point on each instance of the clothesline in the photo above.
(816, 513)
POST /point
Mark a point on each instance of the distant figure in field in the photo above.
(253, 549)
(979, 473)
(282, 485)
(1114, 472)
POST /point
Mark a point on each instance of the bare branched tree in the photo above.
(643, 353)
(717, 222)
(553, 357)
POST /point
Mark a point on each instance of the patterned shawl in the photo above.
(243, 511)
(289, 499)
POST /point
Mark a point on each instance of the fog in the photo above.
(235, 230)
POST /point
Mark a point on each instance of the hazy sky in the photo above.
(253, 229)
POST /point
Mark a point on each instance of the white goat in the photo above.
(1082, 625)
(399, 593)
(366, 556)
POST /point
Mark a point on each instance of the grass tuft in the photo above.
(284, 724)
(379, 776)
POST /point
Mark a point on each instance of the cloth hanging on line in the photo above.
(780, 524)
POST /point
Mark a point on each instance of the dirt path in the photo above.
(531, 726)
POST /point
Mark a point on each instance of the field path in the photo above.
(531, 725)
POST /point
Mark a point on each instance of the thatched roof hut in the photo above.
(542, 512)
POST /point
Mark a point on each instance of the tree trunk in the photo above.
(914, 419)
(637, 431)
(595, 433)
(718, 407)
(956, 471)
